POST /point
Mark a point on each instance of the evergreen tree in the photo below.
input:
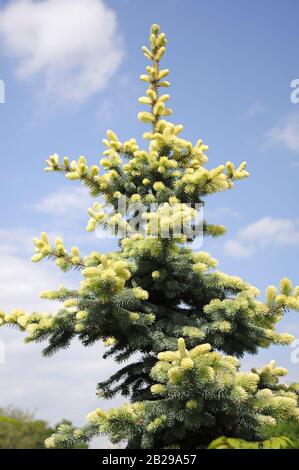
(155, 296)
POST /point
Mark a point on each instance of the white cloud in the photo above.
(21, 281)
(268, 230)
(68, 201)
(237, 248)
(56, 387)
(264, 232)
(74, 46)
(15, 241)
(253, 110)
(285, 133)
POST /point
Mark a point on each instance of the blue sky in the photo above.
(231, 67)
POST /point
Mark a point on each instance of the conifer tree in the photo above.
(155, 296)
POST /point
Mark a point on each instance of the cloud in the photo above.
(70, 202)
(14, 242)
(264, 232)
(237, 249)
(73, 46)
(285, 134)
(56, 387)
(253, 110)
(21, 281)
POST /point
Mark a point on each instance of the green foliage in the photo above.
(272, 443)
(20, 430)
(188, 321)
(289, 429)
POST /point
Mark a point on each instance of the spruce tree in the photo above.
(188, 322)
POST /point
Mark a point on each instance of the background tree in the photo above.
(21, 430)
(156, 297)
